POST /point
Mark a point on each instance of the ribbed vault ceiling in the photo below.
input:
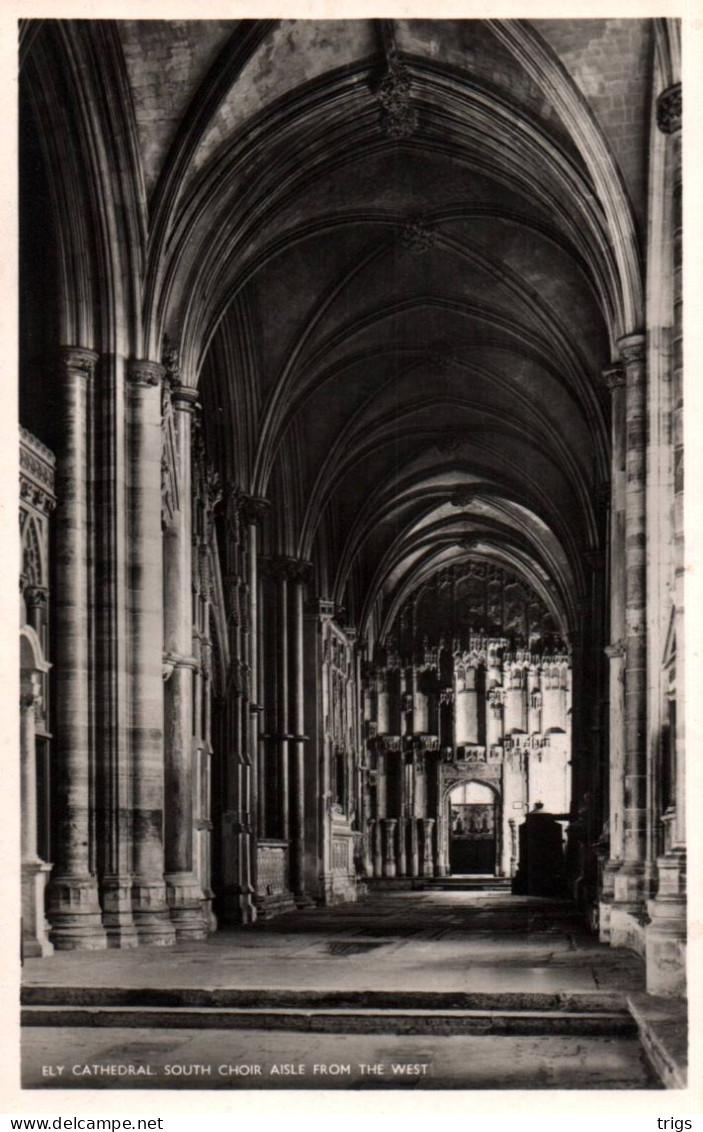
(413, 327)
(398, 332)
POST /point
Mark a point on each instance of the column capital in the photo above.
(77, 361)
(144, 373)
(184, 397)
(669, 109)
(632, 348)
(254, 509)
(614, 377)
(290, 569)
(616, 650)
(36, 597)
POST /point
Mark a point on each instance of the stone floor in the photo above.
(392, 941)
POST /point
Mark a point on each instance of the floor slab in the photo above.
(391, 940)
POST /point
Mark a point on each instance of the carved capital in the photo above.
(616, 650)
(75, 361)
(632, 348)
(36, 597)
(144, 374)
(614, 377)
(669, 108)
(254, 509)
(289, 569)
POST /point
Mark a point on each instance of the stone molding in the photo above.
(184, 397)
(633, 348)
(669, 109)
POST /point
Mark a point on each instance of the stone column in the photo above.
(427, 853)
(282, 689)
(254, 510)
(389, 866)
(666, 933)
(150, 908)
(298, 572)
(629, 894)
(184, 894)
(74, 911)
(35, 873)
(615, 379)
(112, 701)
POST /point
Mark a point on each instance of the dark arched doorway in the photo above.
(473, 823)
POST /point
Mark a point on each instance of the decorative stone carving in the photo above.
(145, 373)
(669, 109)
(614, 377)
(77, 360)
(398, 115)
(171, 360)
(616, 650)
(417, 238)
(254, 509)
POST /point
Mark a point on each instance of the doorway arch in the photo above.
(473, 828)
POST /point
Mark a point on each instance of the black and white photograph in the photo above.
(352, 731)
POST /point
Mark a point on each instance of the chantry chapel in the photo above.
(351, 472)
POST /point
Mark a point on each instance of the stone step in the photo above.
(348, 1021)
(463, 884)
(583, 1002)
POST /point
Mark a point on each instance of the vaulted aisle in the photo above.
(351, 474)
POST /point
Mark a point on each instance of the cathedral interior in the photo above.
(351, 477)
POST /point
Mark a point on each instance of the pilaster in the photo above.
(35, 872)
(615, 379)
(628, 913)
(667, 930)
